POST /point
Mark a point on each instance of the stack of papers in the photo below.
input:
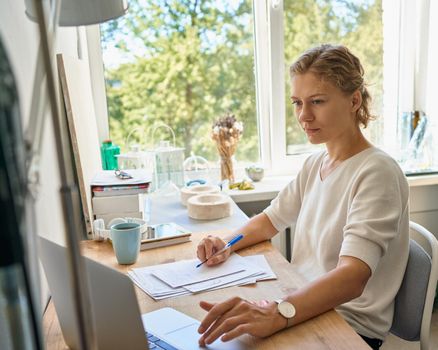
(182, 277)
(109, 178)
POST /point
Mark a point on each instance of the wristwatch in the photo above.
(287, 310)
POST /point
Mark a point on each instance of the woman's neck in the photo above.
(346, 147)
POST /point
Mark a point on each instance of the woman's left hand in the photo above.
(237, 316)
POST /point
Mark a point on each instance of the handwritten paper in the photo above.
(182, 277)
(185, 272)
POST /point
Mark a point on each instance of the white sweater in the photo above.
(360, 209)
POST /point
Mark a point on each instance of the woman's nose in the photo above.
(305, 114)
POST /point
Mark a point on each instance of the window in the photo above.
(410, 84)
(357, 25)
(187, 63)
(184, 63)
(303, 24)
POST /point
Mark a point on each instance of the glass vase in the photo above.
(227, 169)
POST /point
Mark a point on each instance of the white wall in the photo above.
(21, 39)
(424, 207)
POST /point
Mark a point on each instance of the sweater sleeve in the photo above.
(376, 205)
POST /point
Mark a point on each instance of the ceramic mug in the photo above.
(126, 238)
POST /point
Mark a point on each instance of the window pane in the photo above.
(184, 63)
(355, 24)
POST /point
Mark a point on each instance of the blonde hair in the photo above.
(336, 64)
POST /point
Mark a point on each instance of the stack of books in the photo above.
(113, 197)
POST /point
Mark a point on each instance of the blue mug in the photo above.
(126, 238)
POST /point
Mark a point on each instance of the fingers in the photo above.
(229, 328)
(233, 333)
(205, 248)
(236, 332)
(206, 305)
(217, 259)
(208, 247)
(236, 316)
(200, 252)
(215, 312)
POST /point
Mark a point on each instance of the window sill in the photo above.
(270, 186)
(423, 180)
(267, 189)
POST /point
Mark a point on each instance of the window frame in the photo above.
(403, 82)
(271, 97)
(97, 75)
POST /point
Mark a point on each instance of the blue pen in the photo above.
(228, 245)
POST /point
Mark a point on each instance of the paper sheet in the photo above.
(255, 268)
(185, 272)
(109, 178)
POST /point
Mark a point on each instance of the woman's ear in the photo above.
(356, 101)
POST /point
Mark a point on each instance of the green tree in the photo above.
(198, 66)
(198, 63)
(358, 25)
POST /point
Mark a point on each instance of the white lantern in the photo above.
(168, 161)
(136, 159)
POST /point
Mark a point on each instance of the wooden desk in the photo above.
(328, 331)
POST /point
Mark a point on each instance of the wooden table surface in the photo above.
(327, 331)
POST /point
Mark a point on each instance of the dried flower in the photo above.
(227, 127)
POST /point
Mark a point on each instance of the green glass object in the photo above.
(108, 152)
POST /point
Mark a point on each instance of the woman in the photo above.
(349, 205)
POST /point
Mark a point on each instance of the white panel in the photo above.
(97, 80)
(391, 49)
(279, 242)
(421, 59)
(432, 73)
(428, 220)
(424, 198)
(276, 85)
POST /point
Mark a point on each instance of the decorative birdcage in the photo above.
(168, 160)
(196, 170)
(135, 158)
(164, 159)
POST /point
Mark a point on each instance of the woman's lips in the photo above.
(311, 132)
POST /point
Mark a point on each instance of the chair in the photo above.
(414, 300)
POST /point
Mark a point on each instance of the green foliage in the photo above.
(198, 63)
(357, 25)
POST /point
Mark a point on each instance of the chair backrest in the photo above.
(414, 300)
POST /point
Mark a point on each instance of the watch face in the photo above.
(286, 309)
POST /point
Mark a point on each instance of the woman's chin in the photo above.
(315, 140)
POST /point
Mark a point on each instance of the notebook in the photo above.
(116, 314)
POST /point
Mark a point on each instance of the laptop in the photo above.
(116, 314)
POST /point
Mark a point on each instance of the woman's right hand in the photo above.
(210, 245)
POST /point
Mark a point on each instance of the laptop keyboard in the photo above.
(156, 343)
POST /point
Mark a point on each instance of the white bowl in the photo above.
(210, 206)
(187, 192)
(255, 174)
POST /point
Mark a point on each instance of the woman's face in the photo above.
(324, 112)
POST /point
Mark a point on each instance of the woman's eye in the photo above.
(317, 102)
(296, 103)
